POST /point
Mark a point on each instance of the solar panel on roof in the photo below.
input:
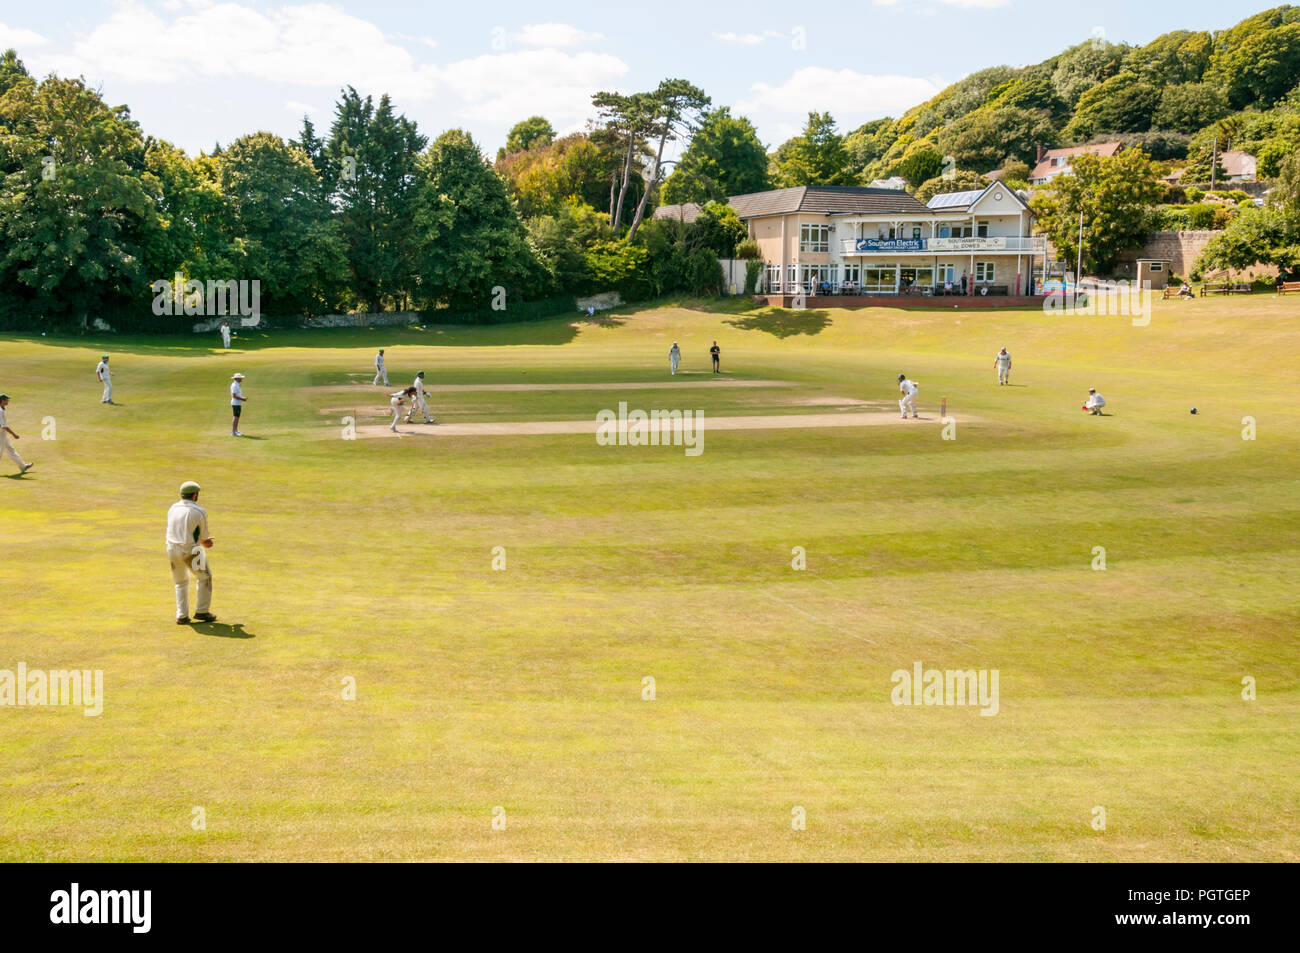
(949, 199)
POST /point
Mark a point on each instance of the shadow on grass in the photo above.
(551, 331)
(222, 630)
(784, 323)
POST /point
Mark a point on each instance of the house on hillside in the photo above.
(686, 212)
(1054, 162)
(893, 182)
(1239, 166)
(863, 240)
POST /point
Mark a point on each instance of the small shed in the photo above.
(1154, 270)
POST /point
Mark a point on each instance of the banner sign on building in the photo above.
(890, 244)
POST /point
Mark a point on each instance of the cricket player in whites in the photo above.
(380, 370)
(1095, 402)
(418, 401)
(908, 389)
(187, 538)
(1002, 360)
(225, 335)
(674, 357)
(6, 448)
(105, 377)
(395, 401)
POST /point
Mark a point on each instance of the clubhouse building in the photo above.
(862, 241)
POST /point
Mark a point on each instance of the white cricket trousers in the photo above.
(184, 562)
(381, 372)
(418, 405)
(908, 403)
(397, 415)
(8, 448)
(225, 339)
(108, 390)
(673, 361)
(1004, 373)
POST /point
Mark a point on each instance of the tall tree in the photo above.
(74, 201)
(1115, 196)
(627, 121)
(11, 70)
(676, 109)
(528, 133)
(281, 224)
(724, 158)
(816, 157)
(370, 164)
(471, 241)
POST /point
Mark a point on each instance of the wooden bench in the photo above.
(1288, 287)
(1216, 288)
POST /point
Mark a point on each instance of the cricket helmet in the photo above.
(189, 488)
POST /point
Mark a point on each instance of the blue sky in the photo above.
(198, 71)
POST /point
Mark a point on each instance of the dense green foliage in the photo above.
(368, 217)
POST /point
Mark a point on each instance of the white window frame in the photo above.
(985, 272)
(814, 241)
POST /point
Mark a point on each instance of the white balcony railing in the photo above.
(1012, 244)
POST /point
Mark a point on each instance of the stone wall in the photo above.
(361, 320)
(1182, 249)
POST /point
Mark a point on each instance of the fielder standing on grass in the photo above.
(716, 353)
(380, 370)
(5, 433)
(105, 377)
(237, 399)
(674, 356)
(418, 401)
(1002, 360)
(225, 334)
(187, 537)
(908, 389)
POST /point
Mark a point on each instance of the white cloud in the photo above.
(850, 96)
(302, 109)
(506, 87)
(314, 46)
(307, 45)
(554, 35)
(19, 39)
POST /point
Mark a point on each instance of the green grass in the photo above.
(371, 559)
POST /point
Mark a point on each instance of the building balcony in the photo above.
(1007, 244)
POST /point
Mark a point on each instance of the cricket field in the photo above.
(506, 643)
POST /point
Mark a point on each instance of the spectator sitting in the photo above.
(1185, 291)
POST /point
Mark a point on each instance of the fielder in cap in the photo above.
(187, 538)
(6, 448)
(105, 377)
